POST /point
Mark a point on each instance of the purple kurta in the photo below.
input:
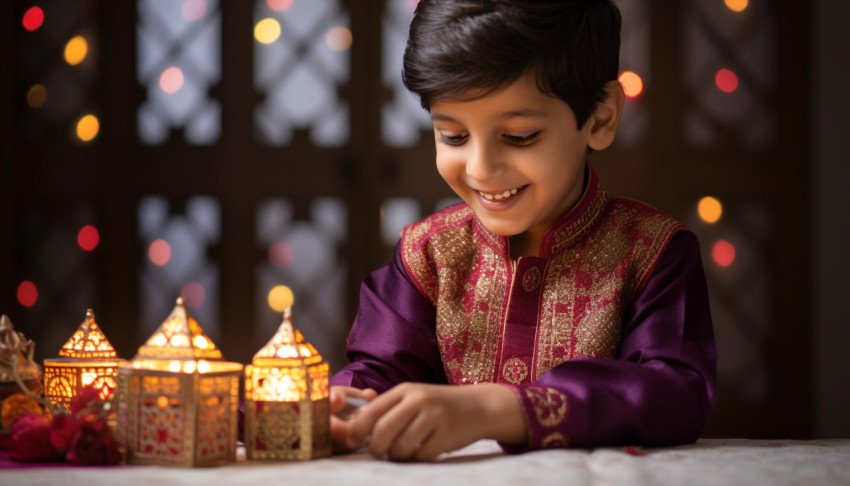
(606, 337)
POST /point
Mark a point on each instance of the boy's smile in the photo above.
(515, 156)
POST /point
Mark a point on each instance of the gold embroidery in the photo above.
(550, 405)
(514, 371)
(531, 279)
(554, 440)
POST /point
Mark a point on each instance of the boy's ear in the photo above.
(605, 118)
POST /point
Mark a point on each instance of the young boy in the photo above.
(539, 312)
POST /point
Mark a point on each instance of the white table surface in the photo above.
(708, 462)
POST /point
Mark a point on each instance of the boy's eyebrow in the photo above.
(528, 113)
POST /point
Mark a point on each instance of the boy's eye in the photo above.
(522, 139)
(453, 139)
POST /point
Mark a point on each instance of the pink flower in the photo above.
(93, 444)
(30, 439)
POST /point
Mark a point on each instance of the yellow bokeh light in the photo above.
(267, 31)
(737, 5)
(338, 38)
(76, 50)
(37, 96)
(280, 297)
(88, 128)
(709, 209)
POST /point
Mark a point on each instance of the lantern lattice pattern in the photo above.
(287, 407)
(87, 359)
(177, 400)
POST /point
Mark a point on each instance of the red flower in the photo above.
(93, 444)
(83, 399)
(30, 439)
(62, 430)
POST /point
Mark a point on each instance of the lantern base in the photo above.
(287, 431)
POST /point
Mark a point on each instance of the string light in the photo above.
(76, 50)
(33, 18)
(87, 128)
(338, 38)
(726, 80)
(737, 5)
(27, 293)
(280, 297)
(267, 31)
(159, 252)
(171, 80)
(37, 96)
(279, 5)
(88, 237)
(632, 83)
(723, 253)
(280, 255)
(709, 209)
(194, 294)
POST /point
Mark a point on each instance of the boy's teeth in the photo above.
(498, 197)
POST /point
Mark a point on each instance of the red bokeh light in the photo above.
(194, 294)
(723, 253)
(27, 293)
(280, 255)
(159, 252)
(88, 237)
(33, 18)
(726, 80)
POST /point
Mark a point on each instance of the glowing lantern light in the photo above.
(33, 18)
(709, 209)
(88, 237)
(279, 5)
(88, 128)
(287, 408)
(159, 252)
(171, 80)
(338, 38)
(27, 293)
(177, 399)
(87, 359)
(76, 50)
(280, 297)
(267, 31)
(37, 96)
(632, 84)
(723, 253)
(726, 80)
(737, 5)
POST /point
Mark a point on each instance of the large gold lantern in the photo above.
(87, 359)
(287, 409)
(177, 400)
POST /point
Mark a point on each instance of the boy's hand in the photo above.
(340, 428)
(419, 422)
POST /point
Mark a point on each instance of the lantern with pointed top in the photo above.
(287, 409)
(177, 400)
(87, 359)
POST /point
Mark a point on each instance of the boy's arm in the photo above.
(392, 339)
(660, 389)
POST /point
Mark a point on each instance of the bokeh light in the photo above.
(723, 253)
(171, 80)
(338, 38)
(280, 297)
(632, 83)
(27, 293)
(88, 128)
(726, 80)
(709, 209)
(37, 96)
(193, 10)
(88, 237)
(194, 294)
(33, 18)
(279, 5)
(737, 5)
(267, 30)
(159, 252)
(76, 50)
(280, 255)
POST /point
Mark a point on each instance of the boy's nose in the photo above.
(484, 163)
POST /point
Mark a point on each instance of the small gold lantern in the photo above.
(287, 407)
(87, 359)
(177, 400)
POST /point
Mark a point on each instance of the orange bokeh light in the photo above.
(88, 237)
(159, 252)
(27, 293)
(632, 83)
(723, 253)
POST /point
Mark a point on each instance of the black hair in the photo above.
(571, 46)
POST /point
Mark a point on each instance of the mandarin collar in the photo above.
(571, 228)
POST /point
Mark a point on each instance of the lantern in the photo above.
(287, 407)
(177, 400)
(87, 359)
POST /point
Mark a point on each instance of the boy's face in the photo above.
(515, 156)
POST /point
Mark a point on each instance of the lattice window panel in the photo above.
(179, 61)
(716, 38)
(57, 93)
(299, 74)
(304, 254)
(176, 261)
